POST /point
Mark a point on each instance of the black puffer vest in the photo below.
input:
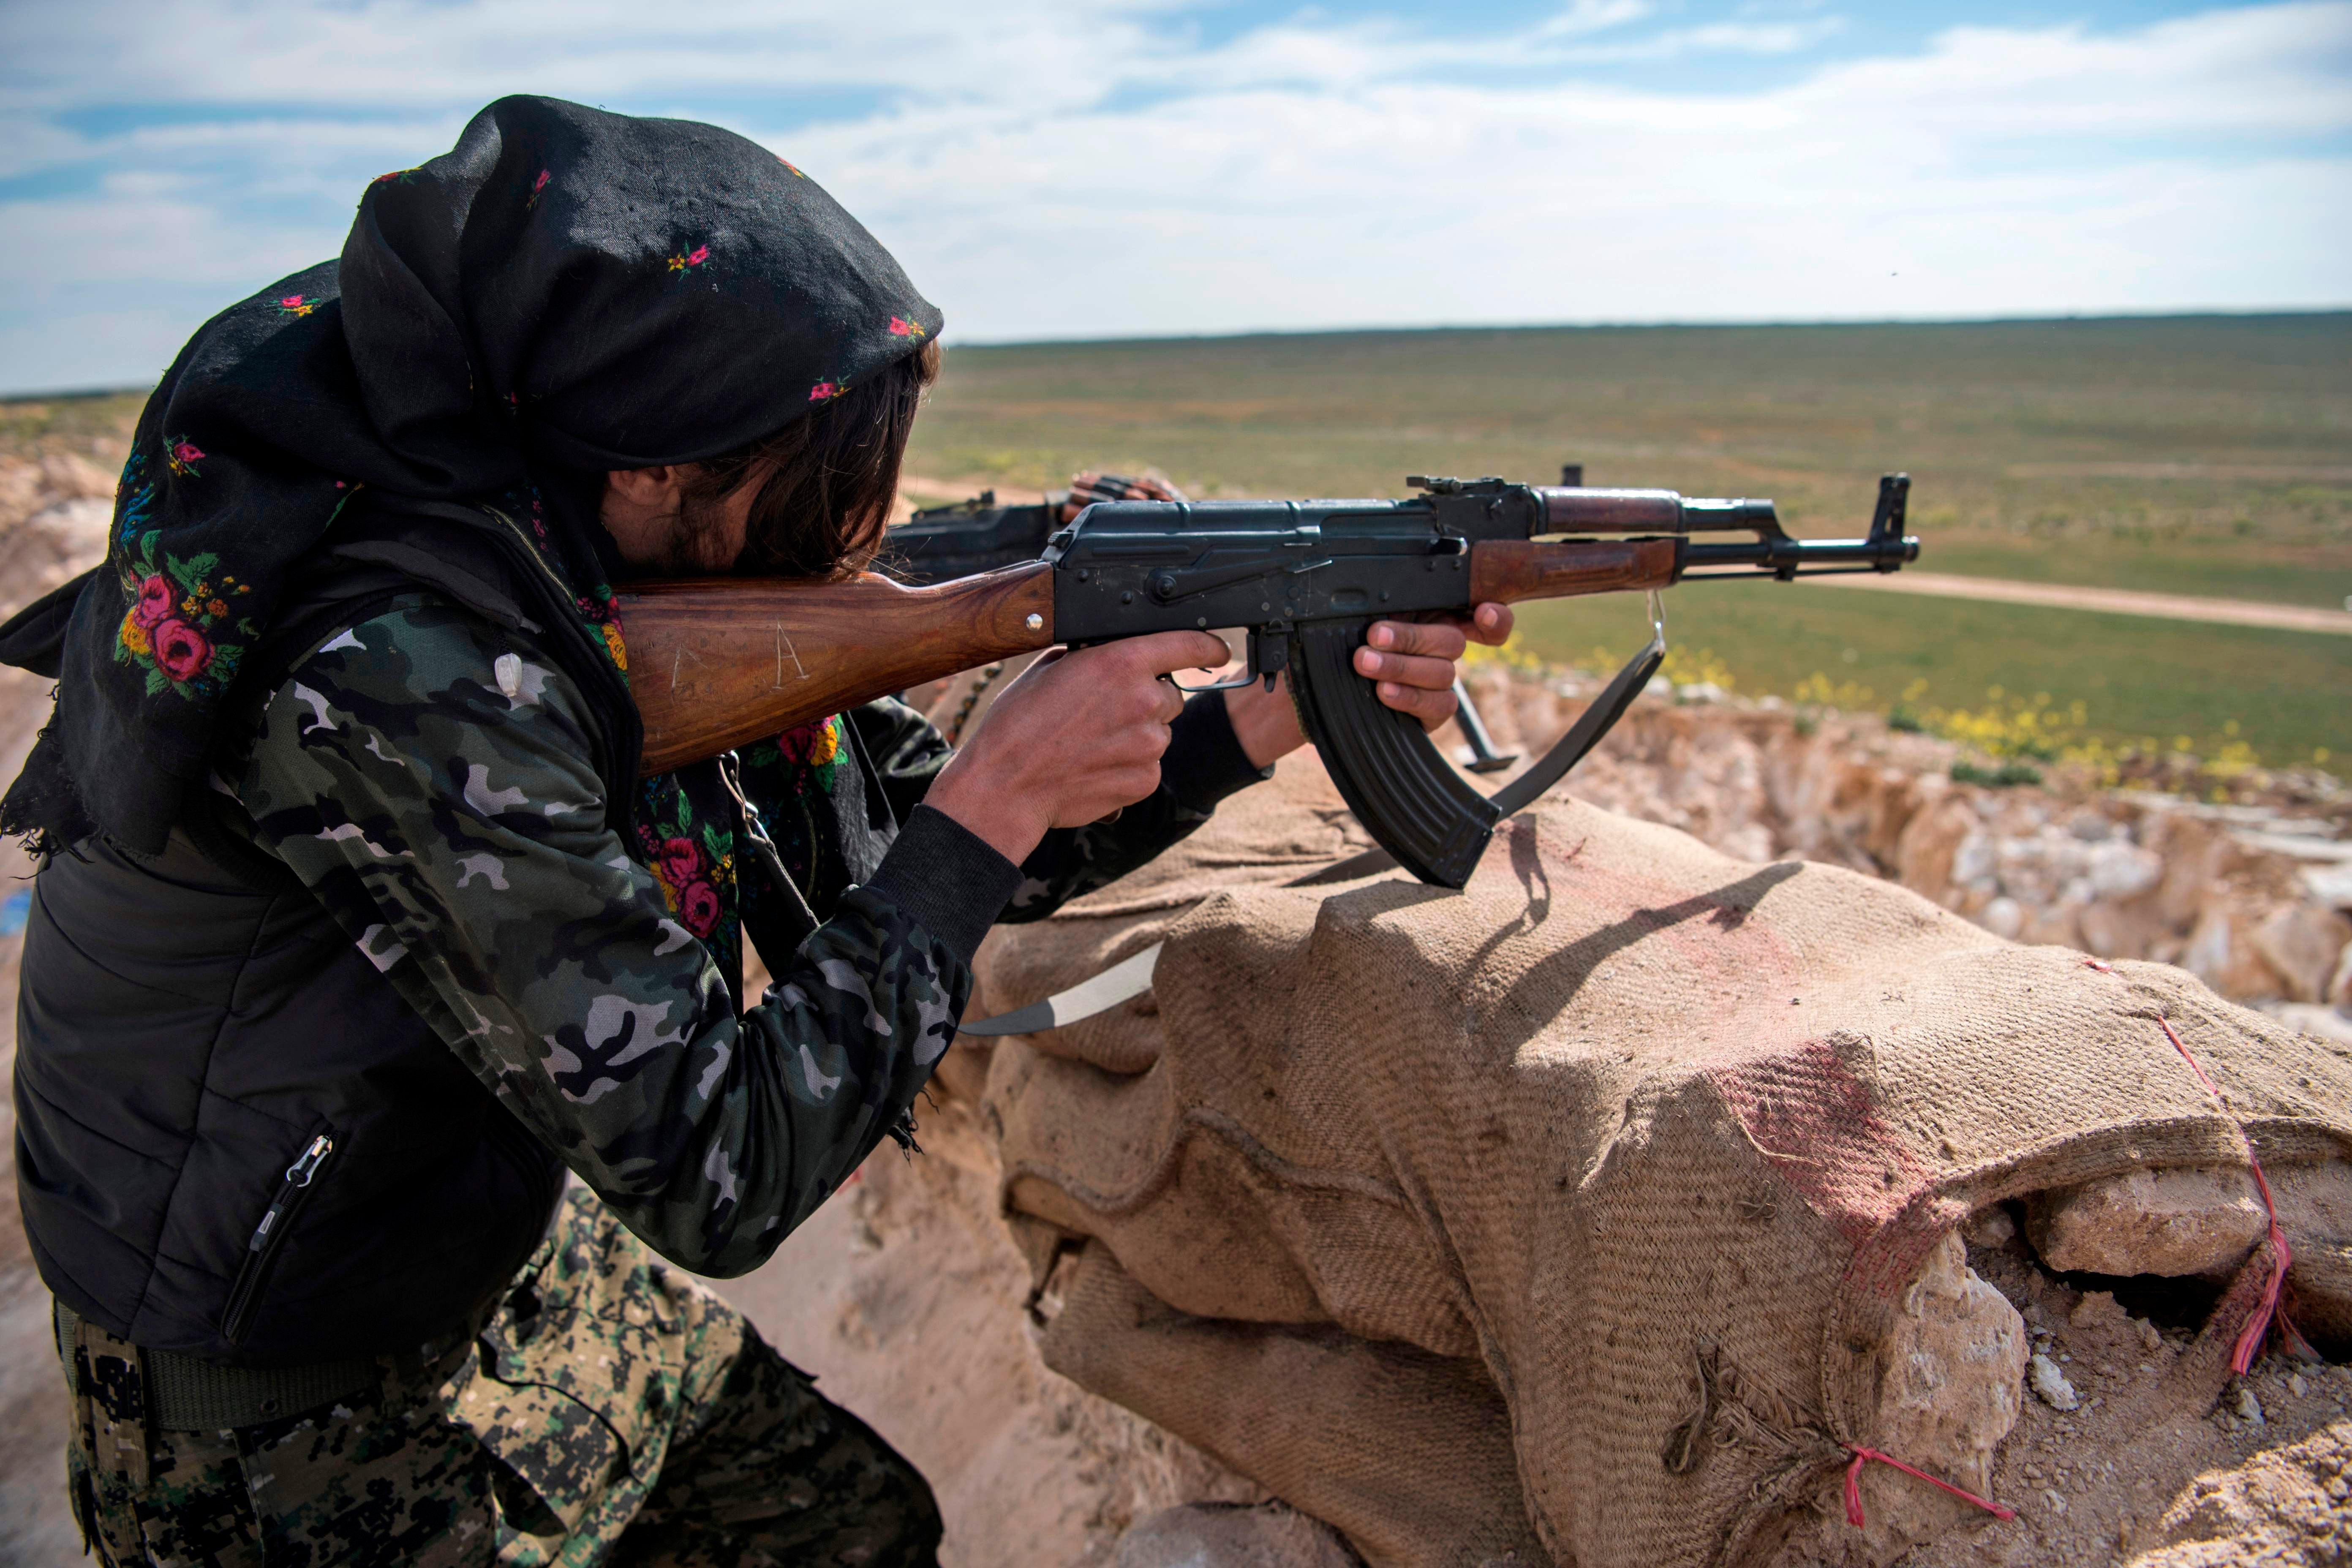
(233, 1139)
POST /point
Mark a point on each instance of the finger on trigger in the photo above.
(1164, 653)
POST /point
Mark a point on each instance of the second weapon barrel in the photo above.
(1591, 511)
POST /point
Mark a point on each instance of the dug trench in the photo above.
(913, 1301)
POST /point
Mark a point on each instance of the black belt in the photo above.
(185, 1395)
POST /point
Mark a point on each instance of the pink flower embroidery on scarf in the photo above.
(181, 652)
(154, 603)
(824, 391)
(678, 861)
(694, 258)
(295, 305)
(815, 744)
(902, 328)
(699, 907)
(183, 455)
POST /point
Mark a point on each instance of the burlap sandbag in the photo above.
(1647, 1140)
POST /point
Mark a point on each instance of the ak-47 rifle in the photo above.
(715, 663)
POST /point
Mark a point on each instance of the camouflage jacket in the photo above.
(426, 774)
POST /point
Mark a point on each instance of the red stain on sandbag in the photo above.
(1809, 1114)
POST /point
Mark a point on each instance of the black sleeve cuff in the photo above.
(947, 877)
(1205, 762)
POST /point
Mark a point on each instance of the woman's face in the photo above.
(665, 530)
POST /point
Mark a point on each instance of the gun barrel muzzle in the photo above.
(1585, 511)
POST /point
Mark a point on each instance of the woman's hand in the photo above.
(1076, 738)
(1412, 661)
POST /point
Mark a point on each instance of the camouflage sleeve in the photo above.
(427, 776)
(1204, 764)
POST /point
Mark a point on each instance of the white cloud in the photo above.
(1935, 185)
(1091, 169)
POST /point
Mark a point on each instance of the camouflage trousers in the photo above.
(610, 1411)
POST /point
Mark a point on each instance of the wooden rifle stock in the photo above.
(1505, 570)
(716, 662)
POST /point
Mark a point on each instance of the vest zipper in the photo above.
(245, 1293)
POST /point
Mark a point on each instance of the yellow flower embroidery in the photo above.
(613, 645)
(134, 635)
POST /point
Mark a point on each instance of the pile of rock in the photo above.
(2251, 898)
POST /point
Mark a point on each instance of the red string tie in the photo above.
(2267, 1311)
(1863, 1456)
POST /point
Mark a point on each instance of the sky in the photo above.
(1125, 168)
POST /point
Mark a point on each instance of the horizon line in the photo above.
(2256, 313)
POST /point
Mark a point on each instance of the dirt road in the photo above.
(2115, 601)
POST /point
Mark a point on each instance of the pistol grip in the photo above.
(1391, 777)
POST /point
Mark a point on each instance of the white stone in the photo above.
(2249, 1408)
(1949, 1392)
(2050, 1385)
(2003, 917)
(1974, 859)
(2329, 884)
(2120, 870)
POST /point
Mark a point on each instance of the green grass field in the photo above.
(2199, 454)
(2207, 455)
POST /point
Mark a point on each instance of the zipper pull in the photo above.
(298, 1175)
(300, 1172)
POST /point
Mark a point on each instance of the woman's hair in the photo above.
(821, 509)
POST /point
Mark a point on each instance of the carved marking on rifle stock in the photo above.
(785, 651)
(677, 662)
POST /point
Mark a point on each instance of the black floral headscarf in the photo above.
(564, 291)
